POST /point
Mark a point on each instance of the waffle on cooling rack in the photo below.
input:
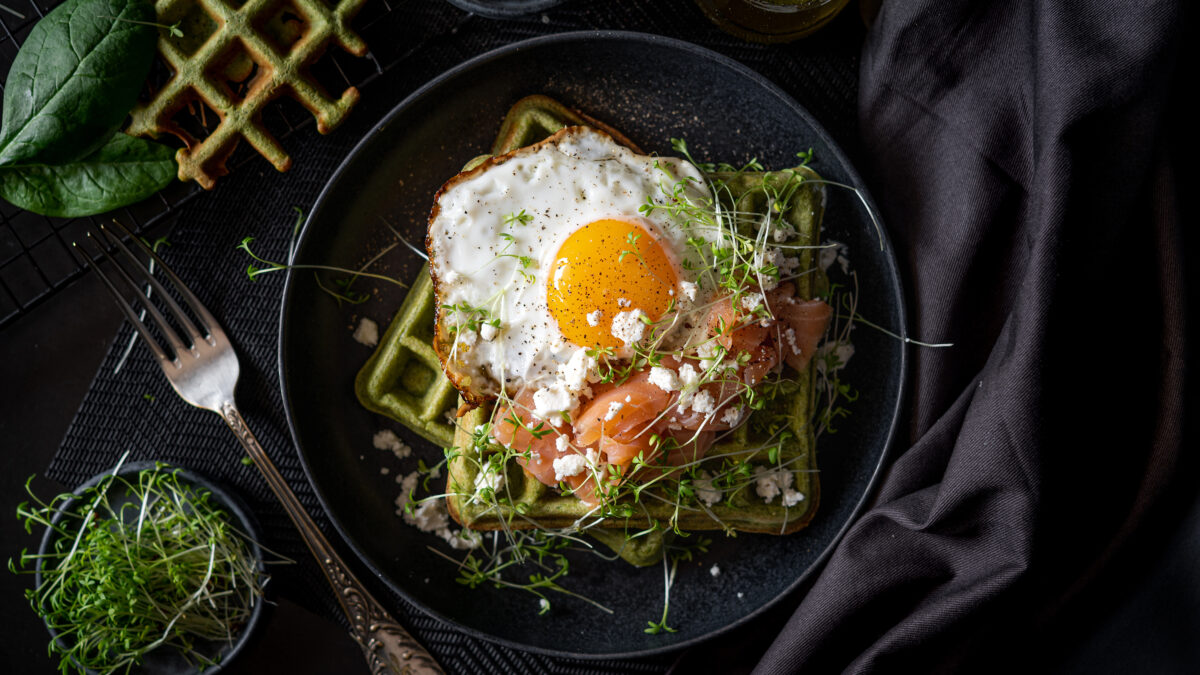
(233, 60)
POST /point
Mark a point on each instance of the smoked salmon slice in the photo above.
(619, 421)
(623, 412)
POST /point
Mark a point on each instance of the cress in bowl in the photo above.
(146, 568)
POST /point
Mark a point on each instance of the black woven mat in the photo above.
(131, 407)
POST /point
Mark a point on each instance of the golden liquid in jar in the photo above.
(770, 20)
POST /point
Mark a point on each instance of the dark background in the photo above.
(49, 356)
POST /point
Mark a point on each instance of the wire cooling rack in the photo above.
(35, 256)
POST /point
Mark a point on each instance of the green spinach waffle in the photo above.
(751, 449)
(402, 380)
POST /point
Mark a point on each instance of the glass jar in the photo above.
(770, 20)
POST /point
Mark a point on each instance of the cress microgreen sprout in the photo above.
(138, 563)
(343, 291)
(173, 29)
(521, 218)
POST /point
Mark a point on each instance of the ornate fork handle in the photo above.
(388, 647)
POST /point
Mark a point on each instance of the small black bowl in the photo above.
(168, 661)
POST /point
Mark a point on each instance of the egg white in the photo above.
(576, 177)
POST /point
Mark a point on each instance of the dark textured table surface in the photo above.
(49, 358)
(64, 341)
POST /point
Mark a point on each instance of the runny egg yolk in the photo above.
(604, 268)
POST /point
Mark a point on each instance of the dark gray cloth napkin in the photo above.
(1024, 156)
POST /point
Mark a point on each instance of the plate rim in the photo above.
(892, 268)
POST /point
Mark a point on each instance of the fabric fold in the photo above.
(1017, 151)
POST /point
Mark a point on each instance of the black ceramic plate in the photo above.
(652, 89)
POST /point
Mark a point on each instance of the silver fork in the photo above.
(203, 369)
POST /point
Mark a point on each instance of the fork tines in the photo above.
(132, 274)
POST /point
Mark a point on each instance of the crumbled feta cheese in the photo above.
(460, 540)
(550, 402)
(772, 256)
(844, 351)
(841, 351)
(688, 376)
(488, 332)
(783, 233)
(569, 465)
(467, 337)
(732, 416)
(408, 484)
(790, 336)
(622, 302)
(792, 497)
(593, 318)
(703, 403)
(705, 491)
(628, 327)
(430, 515)
(765, 484)
(768, 283)
(689, 379)
(592, 456)
(787, 266)
(715, 570)
(688, 289)
(835, 252)
(561, 443)
(750, 301)
(613, 409)
(779, 481)
(488, 479)
(826, 257)
(367, 332)
(386, 439)
(448, 276)
(577, 371)
(709, 353)
(664, 378)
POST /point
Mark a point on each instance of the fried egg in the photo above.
(543, 259)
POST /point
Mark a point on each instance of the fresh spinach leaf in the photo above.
(123, 171)
(75, 79)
